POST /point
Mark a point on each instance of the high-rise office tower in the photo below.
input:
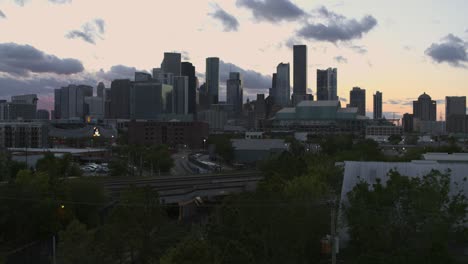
(327, 84)
(142, 77)
(82, 91)
(42, 114)
(171, 63)
(180, 95)
(425, 109)
(378, 105)
(357, 98)
(235, 90)
(145, 100)
(71, 101)
(282, 85)
(100, 90)
(300, 70)
(120, 98)
(455, 105)
(212, 79)
(189, 70)
(407, 122)
(57, 104)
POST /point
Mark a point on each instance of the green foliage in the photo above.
(137, 229)
(159, 159)
(408, 220)
(75, 244)
(9, 168)
(223, 146)
(88, 198)
(395, 139)
(189, 251)
(58, 167)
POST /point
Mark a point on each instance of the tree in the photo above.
(88, 198)
(135, 228)
(395, 139)
(408, 220)
(190, 251)
(75, 244)
(159, 159)
(223, 147)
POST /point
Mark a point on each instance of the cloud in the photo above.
(117, 72)
(336, 27)
(2, 15)
(273, 11)
(21, 2)
(89, 32)
(21, 60)
(230, 23)
(358, 49)
(451, 50)
(60, 1)
(252, 79)
(401, 102)
(341, 59)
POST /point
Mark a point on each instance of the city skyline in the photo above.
(376, 47)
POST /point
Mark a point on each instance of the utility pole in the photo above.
(333, 231)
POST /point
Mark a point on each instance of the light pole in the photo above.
(204, 142)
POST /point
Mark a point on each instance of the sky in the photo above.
(401, 48)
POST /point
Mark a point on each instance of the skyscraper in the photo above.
(300, 70)
(425, 109)
(180, 95)
(145, 100)
(378, 105)
(120, 98)
(189, 70)
(171, 63)
(327, 84)
(357, 98)
(234, 89)
(455, 105)
(212, 79)
(71, 101)
(57, 104)
(142, 77)
(282, 85)
(100, 90)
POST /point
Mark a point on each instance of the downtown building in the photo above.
(377, 105)
(172, 134)
(212, 80)
(21, 107)
(234, 92)
(281, 85)
(300, 74)
(357, 98)
(455, 114)
(23, 135)
(70, 102)
(327, 84)
(319, 117)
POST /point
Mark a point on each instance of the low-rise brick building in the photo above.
(172, 134)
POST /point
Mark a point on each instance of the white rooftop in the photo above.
(446, 157)
(318, 103)
(258, 144)
(57, 150)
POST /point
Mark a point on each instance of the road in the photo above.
(181, 164)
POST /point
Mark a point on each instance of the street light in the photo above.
(204, 141)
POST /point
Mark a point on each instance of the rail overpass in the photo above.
(181, 189)
(186, 191)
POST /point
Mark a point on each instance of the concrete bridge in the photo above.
(185, 190)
